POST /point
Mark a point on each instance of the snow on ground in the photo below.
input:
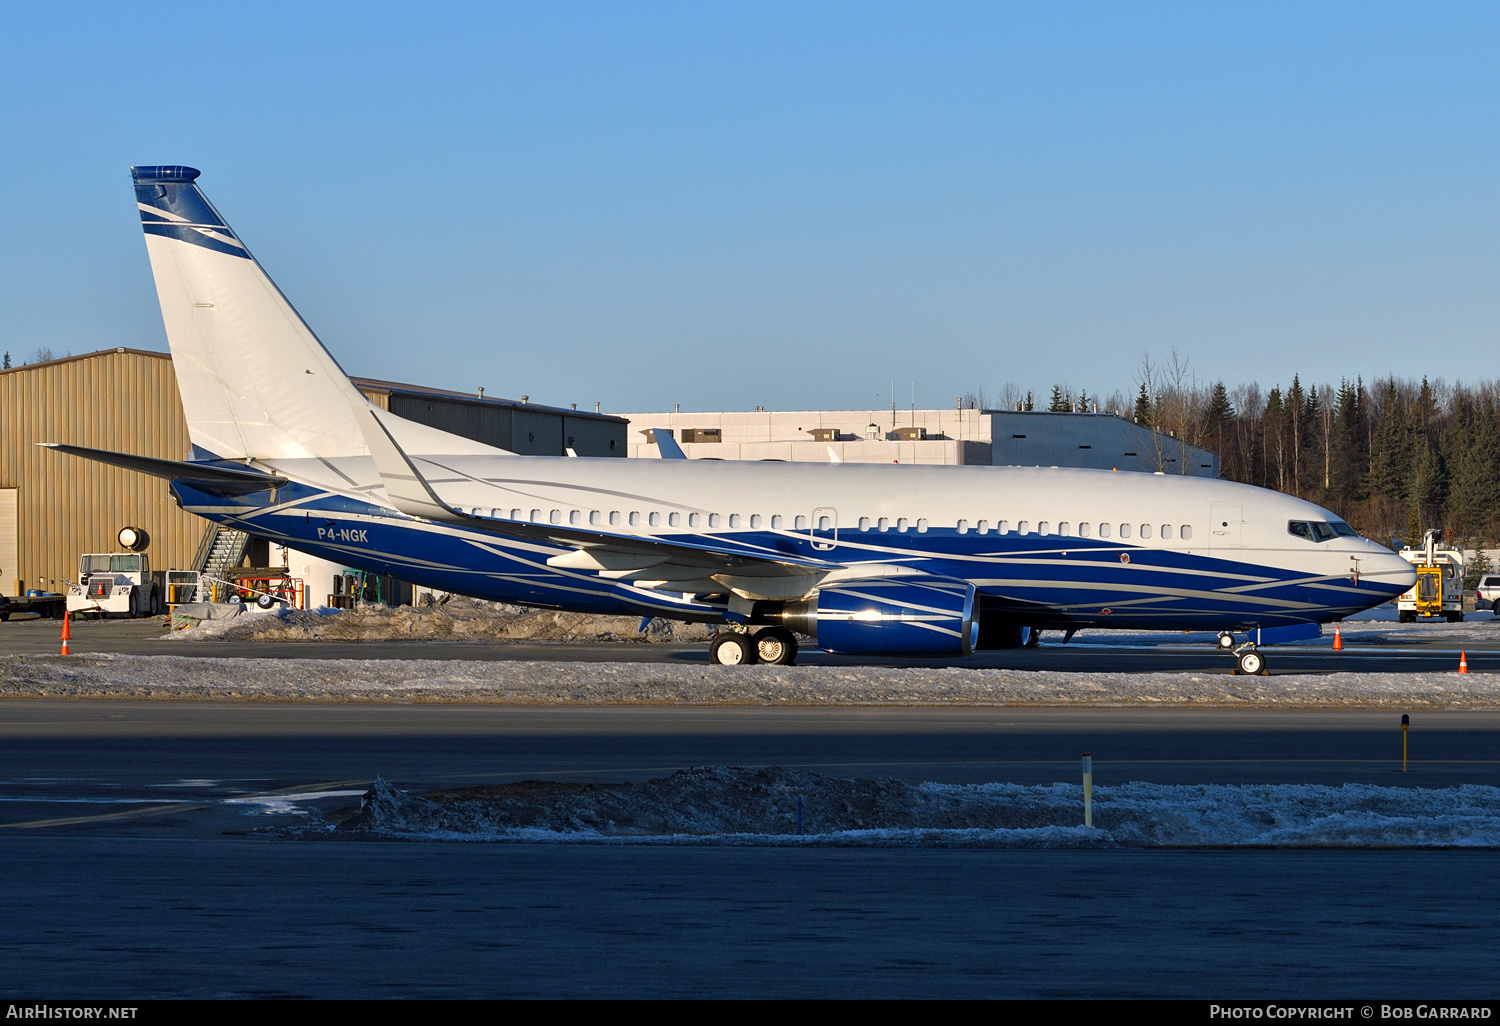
(633, 683)
(765, 806)
(458, 619)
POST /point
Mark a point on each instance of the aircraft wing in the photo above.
(686, 565)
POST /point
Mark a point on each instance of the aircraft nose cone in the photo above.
(1397, 571)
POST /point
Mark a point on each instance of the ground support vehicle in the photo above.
(44, 603)
(1439, 590)
(115, 584)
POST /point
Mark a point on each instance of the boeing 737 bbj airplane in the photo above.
(868, 559)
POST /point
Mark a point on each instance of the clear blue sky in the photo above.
(726, 205)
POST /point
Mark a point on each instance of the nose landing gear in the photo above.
(1247, 658)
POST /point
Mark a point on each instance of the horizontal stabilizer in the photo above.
(223, 479)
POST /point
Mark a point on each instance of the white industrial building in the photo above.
(953, 436)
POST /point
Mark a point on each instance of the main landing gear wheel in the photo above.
(732, 649)
(1250, 662)
(776, 646)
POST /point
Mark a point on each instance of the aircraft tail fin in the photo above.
(255, 381)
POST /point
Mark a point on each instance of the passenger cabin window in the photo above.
(1042, 528)
(635, 518)
(1065, 529)
(1104, 530)
(1186, 532)
(755, 521)
(1145, 530)
(734, 520)
(921, 526)
(1022, 527)
(674, 519)
(1124, 530)
(614, 518)
(883, 525)
(1166, 532)
(901, 525)
(654, 518)
(694, 519)
(713, 520)
(963, 527)
(595, 517)
(776, 521)
(555, 516)
(983, 527)
(801, 524)
(1084, 530)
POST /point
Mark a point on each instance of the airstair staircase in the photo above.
(221, 551)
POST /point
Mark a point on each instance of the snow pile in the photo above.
(518, 682)
(458, 619)
(761, 806)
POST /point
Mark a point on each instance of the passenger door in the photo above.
(824, 528)
(1225, 528)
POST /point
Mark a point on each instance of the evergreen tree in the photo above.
(1030, 401)
(1348, 463)
(1473, 449)
(1143, 406)
(1060, 401)
(1426, 491)
(1391, 450)
(7, 361)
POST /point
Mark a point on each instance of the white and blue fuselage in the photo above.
(868, 558)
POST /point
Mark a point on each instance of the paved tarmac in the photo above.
(125, 869)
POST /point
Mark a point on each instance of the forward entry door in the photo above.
(1226, 523)
(824, 528)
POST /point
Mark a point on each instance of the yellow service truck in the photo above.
(1439, 591)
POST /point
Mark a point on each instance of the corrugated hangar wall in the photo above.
(121, 399)
(126, 400)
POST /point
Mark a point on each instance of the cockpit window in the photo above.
(1317, 531)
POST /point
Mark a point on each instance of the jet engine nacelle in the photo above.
(899, 616)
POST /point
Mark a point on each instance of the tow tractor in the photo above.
(117, 583)
(1439, 590)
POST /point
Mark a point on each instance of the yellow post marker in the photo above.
(1405, 722)
(1088, 790)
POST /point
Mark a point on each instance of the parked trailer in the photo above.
(48, 604)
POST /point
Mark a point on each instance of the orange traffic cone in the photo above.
(1463, 661)
(66, 634)
(1338, 639)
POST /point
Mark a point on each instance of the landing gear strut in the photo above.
(1247, 658)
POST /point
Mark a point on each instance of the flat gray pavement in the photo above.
(125, 869)
(1145, 653)
(87, 916)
